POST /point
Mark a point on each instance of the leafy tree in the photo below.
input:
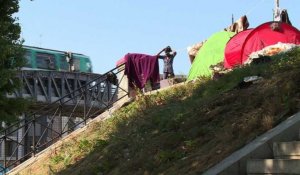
(11, 59)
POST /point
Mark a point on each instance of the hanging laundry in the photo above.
(140, 68)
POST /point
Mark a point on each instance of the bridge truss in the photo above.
(71, 99)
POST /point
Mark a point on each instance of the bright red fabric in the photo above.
(233, 49)
(264, 36)
(239, 48)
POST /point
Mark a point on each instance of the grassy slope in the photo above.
(184, 130)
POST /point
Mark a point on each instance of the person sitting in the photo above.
(168, 62)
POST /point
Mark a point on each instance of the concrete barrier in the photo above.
(260, 148)
(273, 166)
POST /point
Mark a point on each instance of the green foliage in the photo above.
(11, 59)
(67, 160)
(84, 145)
(101, 144)
(57, 159)
(190, 144)
(164, 156)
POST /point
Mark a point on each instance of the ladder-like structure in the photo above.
(49, 86)
(70, 102)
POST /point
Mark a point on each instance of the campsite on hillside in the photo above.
(149, 88)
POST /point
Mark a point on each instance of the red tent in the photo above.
(233, 49)
(244, 43)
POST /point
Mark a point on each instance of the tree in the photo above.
(11, 59)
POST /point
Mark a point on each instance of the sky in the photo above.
(106, 30)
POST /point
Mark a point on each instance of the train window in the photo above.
(28, 56)
(45, 61)
(76, 63)
(88, 66)
(64, 65)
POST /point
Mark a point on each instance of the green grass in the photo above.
(186, 129)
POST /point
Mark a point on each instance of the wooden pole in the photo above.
(277, 11)
(277, 4)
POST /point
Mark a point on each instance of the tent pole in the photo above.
(277, 4)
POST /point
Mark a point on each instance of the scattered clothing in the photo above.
(193, 50)
(264, 54)
(248, 81)
(240, 25)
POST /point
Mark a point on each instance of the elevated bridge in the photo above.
(49, 86)
(65, 101)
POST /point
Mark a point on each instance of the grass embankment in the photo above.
(186, 129)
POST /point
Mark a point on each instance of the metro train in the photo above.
(55, 60)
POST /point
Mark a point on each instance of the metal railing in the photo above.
(37, 131)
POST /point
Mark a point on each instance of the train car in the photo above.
(47, 59)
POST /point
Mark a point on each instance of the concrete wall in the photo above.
(260, 148)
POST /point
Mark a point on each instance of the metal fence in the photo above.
(35, 132)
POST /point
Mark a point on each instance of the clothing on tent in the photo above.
(263, 36)
(214, 51)
(268, 51)
(238, 26)
(140, 68)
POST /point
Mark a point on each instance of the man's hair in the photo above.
(168, 49)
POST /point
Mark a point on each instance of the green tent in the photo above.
(211, 53)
